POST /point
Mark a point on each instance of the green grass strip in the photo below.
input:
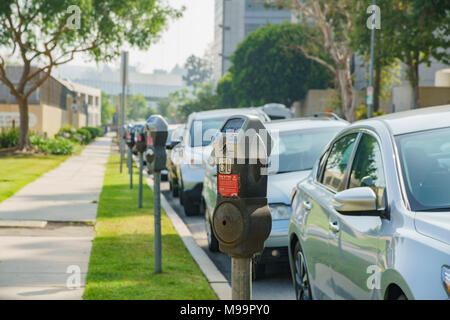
(122, 258)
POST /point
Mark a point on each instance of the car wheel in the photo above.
(302, 284)
(181, 193)
(190, 209)
(402, 297)
(213, 243)
(258, 270)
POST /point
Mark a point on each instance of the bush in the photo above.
(361, 112)
(55, 146)
(87, 137)
(9, 137)
(95, 131)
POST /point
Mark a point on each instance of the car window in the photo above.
(202, 131)
(425, 162)
(298, 150)
(337, 161)
(367, 168)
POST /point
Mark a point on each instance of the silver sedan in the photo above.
(372, 220)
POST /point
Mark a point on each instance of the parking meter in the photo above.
(129, 136)
(141, 141)
(156, 135)
(241, 218)
(156, 130)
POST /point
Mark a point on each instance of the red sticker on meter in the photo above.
(149, 141)
(228, 185)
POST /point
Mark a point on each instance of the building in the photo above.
(152, 86)
(55, 104)
(234, 20)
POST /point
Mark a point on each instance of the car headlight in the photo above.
(280, 212)
(446, 278)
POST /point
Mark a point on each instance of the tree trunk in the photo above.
(377, 89)
(346, 89)
(414, 81)
(24, 141)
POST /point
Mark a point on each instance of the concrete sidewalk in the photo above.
(68, 193)
(38, 263)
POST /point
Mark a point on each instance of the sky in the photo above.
(190, 34)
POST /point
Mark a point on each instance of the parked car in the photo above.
(195, 148)
(297, 144)
(277, 111)
(173, 142)
(372, 220)
(169, 146)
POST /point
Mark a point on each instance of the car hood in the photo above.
(435, 225)
(280, 186)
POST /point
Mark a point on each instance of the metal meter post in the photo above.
(129, 139)
(141, 147)
(241, 219)
(156, 134)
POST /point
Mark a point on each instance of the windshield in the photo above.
(298, 150)
(202, 131)
(425, 162)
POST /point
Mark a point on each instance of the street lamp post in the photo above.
(372, 49)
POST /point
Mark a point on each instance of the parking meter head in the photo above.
(141, 141)
(128, 134)
(156, 131)
(241, 219)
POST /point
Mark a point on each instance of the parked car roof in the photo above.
(304, 123)
(415, 120)
(219, 113)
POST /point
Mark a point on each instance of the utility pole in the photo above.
(372, 49)
(124, 82)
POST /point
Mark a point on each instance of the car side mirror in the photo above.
(360, 201)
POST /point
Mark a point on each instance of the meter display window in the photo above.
(297, 150)
(202, 131)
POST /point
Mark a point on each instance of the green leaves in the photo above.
(268, 66)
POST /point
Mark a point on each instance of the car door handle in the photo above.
(334, 226)
(307, 205)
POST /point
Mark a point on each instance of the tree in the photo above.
(422, 33)
(201, 98)
(198, 70)
(384, 55)
(137, 108)
(268, 67)
(108, 109)
(411, 31)
(51, 33)
(224, 90)
(329, 24)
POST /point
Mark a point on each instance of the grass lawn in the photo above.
(122, 257)
(18, 171)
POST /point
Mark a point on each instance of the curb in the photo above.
(215, 278)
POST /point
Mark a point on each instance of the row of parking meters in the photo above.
(241, 218)
(150, 141)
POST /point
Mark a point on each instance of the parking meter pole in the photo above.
(157, 207)
(130, 166)
(241, 278)
(121, 153)
(141, 166)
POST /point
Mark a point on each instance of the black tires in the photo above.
(173, 189)
(301, 278)
(258, 270)
(213, 243)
